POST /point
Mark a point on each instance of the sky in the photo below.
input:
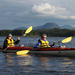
(19, 13)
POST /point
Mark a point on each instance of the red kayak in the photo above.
(15, 49)
(50, 51)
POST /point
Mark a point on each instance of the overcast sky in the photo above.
(17, 13)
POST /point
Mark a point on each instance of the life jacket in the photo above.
(10, 43)
(44, 43)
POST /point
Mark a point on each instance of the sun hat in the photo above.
(43, 35)
(10, 35)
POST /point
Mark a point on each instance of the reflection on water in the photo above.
(35, 65)
(27, 60)
(18, 60)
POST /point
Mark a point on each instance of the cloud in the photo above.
(36, 12)
(46, 9)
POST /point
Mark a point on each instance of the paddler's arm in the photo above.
(37, 45)
(17, 41)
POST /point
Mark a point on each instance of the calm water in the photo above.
(12, 64)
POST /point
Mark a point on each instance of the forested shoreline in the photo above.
(57, 32)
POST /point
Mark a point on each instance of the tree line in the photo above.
(50, 32)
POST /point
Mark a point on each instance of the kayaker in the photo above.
(10, 42)
(43, 42)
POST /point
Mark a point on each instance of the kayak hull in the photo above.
(55, 53)
(50, 51)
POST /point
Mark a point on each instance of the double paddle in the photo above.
(23, 52)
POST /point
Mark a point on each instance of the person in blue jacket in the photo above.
(43, 42)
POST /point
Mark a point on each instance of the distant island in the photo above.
(57, 32)
(51, 29)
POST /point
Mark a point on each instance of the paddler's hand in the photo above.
(18, 38)
(53, 43)
(24, 35)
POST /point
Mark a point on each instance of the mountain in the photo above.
(67, 27)
(47, 26)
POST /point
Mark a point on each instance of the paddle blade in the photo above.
(23, 52)
(28, 30)
(67, 40)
